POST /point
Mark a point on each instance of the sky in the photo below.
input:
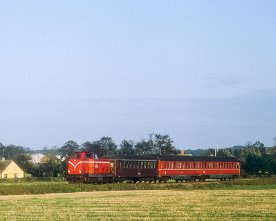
(203, 72)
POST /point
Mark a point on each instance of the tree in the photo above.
(126, 148)
(51, 166)
(69, 148)
(11, 150)
(254, 158)
(23, 160)
(143, 147)
(163, 144)
(227, 152)
(93, 148)
(107, 145)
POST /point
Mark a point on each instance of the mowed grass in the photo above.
(143, 205)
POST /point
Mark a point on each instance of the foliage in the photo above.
(69, 148)
(23, 160)
(143, 147)
(156, 144)
(93, 147)
(227, 152)
(126, 148)
(163, 144)
(106, 145)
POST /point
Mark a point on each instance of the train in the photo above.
(86, 167)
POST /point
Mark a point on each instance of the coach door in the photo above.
(112, 166)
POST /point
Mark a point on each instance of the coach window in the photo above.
(174, 165)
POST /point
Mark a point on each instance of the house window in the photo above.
(5, 176)
(16, 175)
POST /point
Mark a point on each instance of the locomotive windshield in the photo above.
(78, 155)
(91, 155)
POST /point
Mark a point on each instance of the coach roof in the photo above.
(174, 158)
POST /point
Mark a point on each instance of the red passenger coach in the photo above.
(86, 167)
(182, 168)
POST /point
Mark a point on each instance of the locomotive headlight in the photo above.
(80, 171)
(68, 171)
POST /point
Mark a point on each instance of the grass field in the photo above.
(143, 205)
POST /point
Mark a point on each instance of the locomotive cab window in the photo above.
(78, 155)
(88, 155)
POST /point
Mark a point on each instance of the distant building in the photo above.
(9, 169)
(182, 153)
(41, 158)
(36, 158)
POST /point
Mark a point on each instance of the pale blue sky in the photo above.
(203, 72)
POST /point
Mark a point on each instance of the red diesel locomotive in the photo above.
(87, 168)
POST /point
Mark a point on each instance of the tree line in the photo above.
(254, 157)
